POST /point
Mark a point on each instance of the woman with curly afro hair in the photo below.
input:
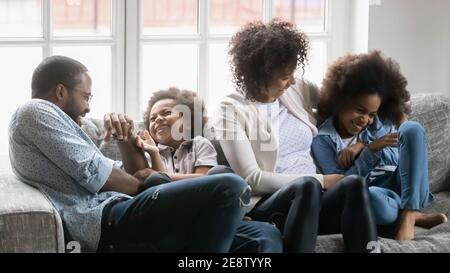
(365, 103)
(265, 130)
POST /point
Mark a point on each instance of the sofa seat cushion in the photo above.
(28, 222)
(436, 239)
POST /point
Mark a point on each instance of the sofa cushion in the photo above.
(28, 222)
(433, 112)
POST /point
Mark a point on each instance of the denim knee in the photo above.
(220, 169)
(157, 179)
(411, 129)
(257, 237)
(234, 184)
(385, 209)
(270, 240)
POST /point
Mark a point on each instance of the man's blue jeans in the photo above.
(192, 215)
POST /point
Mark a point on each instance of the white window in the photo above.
(184, 43)
(86, 30)
(135, 47)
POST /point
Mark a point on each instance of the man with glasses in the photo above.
(103, 207)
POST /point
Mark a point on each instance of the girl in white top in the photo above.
(266, 129)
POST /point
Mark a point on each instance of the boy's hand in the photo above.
(146, 142)
(347, 156)
(389, 140)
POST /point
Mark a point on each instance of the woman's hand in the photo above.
(389, 140)
(146, 142)
(330, 180)
(347, 156)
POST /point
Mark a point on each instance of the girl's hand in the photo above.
(389, 140)
(347, 156)
(146, 142)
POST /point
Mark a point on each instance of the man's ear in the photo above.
(60, 92)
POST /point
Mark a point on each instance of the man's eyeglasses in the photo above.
(87, 97)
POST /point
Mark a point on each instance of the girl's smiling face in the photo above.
(357, 115)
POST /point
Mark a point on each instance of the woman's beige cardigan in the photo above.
(250, 145)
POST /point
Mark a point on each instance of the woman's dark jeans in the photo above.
(346, 209)
(301, 211)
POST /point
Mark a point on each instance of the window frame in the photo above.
(116, 41)
(127, 45)
(335, 39)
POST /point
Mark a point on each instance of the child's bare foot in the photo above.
(406, 225)
(430, 220)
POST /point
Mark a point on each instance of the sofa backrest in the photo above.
(431, 110)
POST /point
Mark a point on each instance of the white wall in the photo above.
(417, 34)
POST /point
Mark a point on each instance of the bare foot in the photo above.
(430, 220)
(406, 225)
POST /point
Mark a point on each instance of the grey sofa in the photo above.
(29, 223)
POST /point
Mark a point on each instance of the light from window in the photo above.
(226, 16)
(165, 66)
(20, 18)
(81, 17)
(220, 82)
(18, 64)
(315, 69)
(308, 15)
(97, 59)
(163, 17)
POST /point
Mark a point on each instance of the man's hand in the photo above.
(347, 156)
(330, 180)
(389, 140)
(146, 142)
(118, 124)
(143, 174)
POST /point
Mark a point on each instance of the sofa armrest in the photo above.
(28, 221)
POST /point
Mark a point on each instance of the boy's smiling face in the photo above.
(358, 115)
(162, 117)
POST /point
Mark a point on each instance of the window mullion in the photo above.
(133, 63)
(203, 49)
(46, 28)
(267, 10)
(118, 56)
